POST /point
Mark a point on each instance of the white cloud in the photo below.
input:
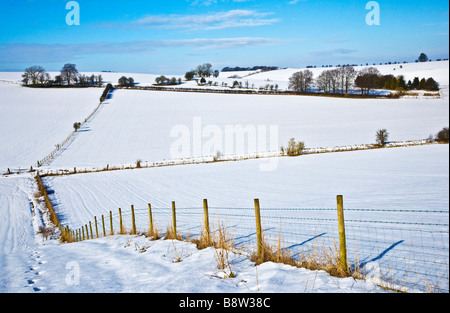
(296, 1)
(214, 21)
(210, 2)
(51, 53)
(333, 52)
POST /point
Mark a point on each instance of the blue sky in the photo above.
(172, 37)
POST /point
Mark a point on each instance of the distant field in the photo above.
(35, 120)
(137, 124)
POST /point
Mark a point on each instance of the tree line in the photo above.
(254, 68)
(204, 70)
(338, 80)
(163, 80)
(36, 76)
(342, 79)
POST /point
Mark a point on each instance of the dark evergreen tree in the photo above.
(423, 57)
(415, 83)
(431, 84)
(401, 83)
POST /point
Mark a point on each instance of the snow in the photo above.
(144, 120)
(417, 174)
(406, 185)
(131, 263)
(35, 120)
(298, 198)
(438, 70)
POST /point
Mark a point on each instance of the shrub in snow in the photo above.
(382, 136)
(77, 126)
(443, 135)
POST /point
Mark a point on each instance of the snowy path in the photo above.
(19, 256)
(135, 264)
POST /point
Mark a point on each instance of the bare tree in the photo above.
(382, 136)
(368, 79)
(330, 81)
(69, 73)
(348, 75)
(301, 81)
(204, 70)
(324, 81)
(35, 75)
(335, 80)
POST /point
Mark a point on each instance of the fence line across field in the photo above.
(408, 254)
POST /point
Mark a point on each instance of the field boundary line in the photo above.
(228, 158)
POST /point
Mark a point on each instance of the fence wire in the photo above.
(403, 249)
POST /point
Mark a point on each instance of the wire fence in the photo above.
(402, 249)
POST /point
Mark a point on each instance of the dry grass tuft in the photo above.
(154, 234)
(170, 235)
(223, 245)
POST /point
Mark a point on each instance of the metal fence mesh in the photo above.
(402, 249)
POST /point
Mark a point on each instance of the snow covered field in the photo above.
(35, 120)
(138, 124)
(396, 200)
(403, 186)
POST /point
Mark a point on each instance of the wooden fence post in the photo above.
(82, 229)
(87, 232)
(96, 228)
(103, 226)
(90, 227)
(111, 223)
(258, 230)
(206, 215)
(120, 222)
(133, 222)
(150, 219)
(174, 220)
(342, 243)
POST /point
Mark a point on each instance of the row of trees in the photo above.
(371, 78)
(398, 83)
(163, 80)
(69, 76)
(338, 80)
(342, 79)
(254, 68)
(204, 70)
(126, 81)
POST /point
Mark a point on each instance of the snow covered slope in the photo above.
(439, 70)
(119, 264)
(35, 120)
(138, 124)
(388, 190)
(392, 187)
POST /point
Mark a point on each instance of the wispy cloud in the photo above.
(333, 52)
(296, 1)
(213, 21)
(54, 53)
(210, 2)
